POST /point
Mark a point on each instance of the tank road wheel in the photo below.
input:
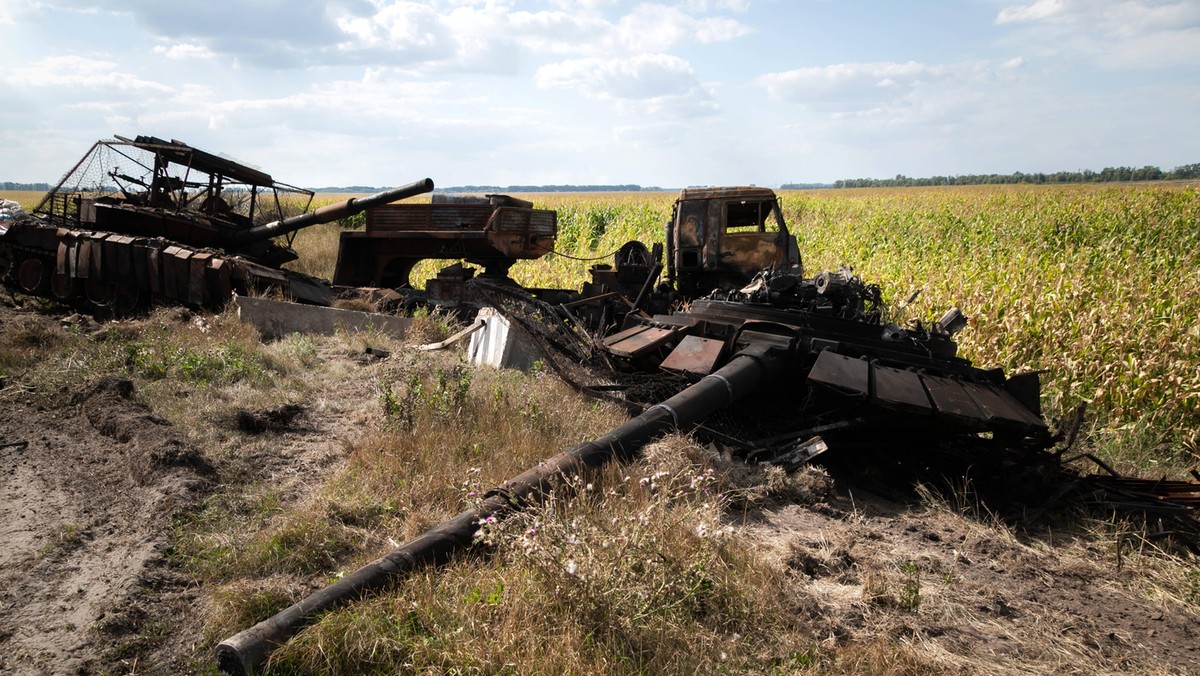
(33, 276)
(128, 300)
(101, 294)
(64, 287)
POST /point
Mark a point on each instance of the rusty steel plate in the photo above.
(638, 340)
(849, 376)
(154, 269)
(96, 264)
(695, 355)
(999, 405)
(951, 399)
(196, 266)
(899, 389)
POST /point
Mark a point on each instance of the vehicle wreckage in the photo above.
(717, 324)
(145, 221)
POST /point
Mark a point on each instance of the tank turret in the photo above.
(143, 220)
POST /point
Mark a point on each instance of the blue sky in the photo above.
(669, 93)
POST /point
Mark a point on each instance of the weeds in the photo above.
(910, 590)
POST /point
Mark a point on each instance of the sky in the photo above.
(667, 93)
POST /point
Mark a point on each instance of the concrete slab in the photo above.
(498, 344)
(275, 319)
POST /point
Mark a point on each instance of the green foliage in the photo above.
(910, 589)
(224, 362)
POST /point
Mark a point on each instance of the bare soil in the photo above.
(87, 493)
(92, 482)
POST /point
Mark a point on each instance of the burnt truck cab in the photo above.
(719, 238)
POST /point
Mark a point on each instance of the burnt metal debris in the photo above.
(719, 329)
(142, 221)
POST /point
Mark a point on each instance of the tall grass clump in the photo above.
(631, 570)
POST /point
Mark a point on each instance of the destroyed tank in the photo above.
(142, 221)
(734, 280)
(800, 366)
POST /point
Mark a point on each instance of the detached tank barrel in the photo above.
(329, 212)
(746, 372)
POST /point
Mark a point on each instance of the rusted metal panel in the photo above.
(62, 259)
(393, 217)
(695, 355)
(999, 405)
(1180, 492)
(196, 294)
(735, 192)
(111, 259)
(74, 269)
(952, 400)
(96, 264)
(846, 375)
(639, 340)
(217, 276)
(170, 281)
(154, 270)
(182, 273)
(899, 389)
(83, 261)
(141, 273)
(123, 247)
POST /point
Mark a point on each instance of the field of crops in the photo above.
(1096, 285)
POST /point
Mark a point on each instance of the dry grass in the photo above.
(632, 570)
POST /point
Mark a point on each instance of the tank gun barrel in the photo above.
(329, 212)
(748, 371)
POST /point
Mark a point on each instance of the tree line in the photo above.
(1106, 175)
(625, 187)
(10, 185)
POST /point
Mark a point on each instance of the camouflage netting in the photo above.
(118, 169)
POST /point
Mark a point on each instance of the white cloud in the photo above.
(67, 73)
(403, 32)
(1038, 11)
(716, 5)
(650, 28)
(1113, 33)
(486, 36)
(653, 83)
(184, 50)
(850, 87)
(579, 5)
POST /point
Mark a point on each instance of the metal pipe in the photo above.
(747, 371)
(329, 212)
